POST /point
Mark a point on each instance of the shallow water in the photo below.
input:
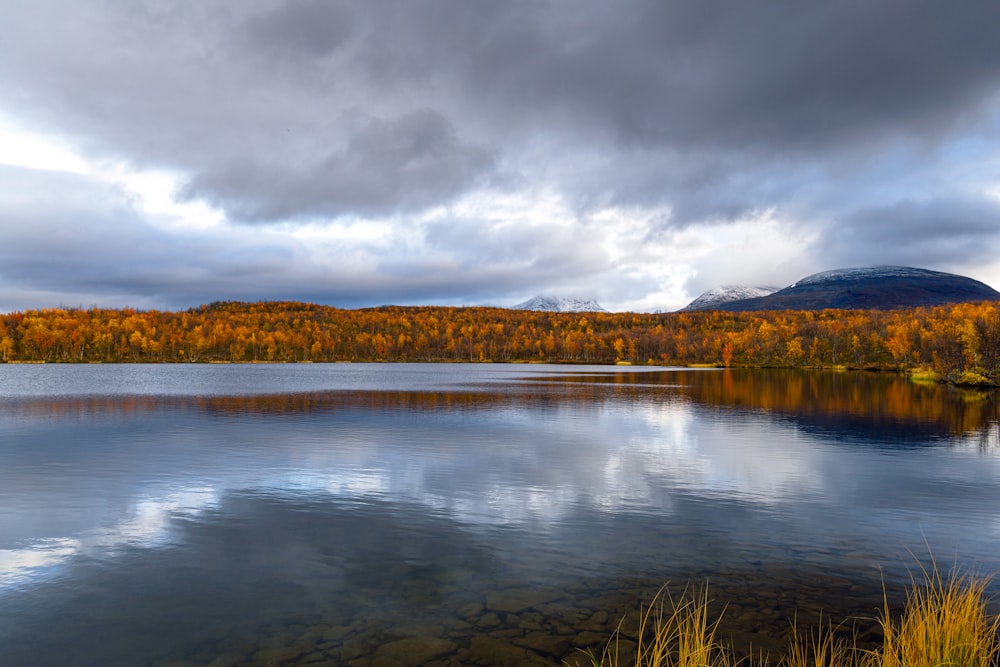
(465, 514)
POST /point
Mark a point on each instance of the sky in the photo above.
(167, 154)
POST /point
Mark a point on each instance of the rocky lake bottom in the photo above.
(539, 626)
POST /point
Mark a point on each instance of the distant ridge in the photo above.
(555, 304)
(874, 288)
(717, 296)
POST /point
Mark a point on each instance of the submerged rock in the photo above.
(412, 651)
(514, 601)
(501, 653)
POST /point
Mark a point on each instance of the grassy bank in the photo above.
(944, 623)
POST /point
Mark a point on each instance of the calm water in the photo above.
(463, 514)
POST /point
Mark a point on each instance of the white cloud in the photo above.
(22, 147)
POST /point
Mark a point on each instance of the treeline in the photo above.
(956, 341)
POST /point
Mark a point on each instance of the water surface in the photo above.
(248, 514)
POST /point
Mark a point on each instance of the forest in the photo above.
(958, 343)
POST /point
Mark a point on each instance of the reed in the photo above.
(819, 647)
(944, 623)
(674, 632)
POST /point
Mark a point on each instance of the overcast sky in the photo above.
(164, 155)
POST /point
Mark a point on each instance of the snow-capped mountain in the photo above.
(878, 287)
(555, 304)
(717, 296)
(868, 273)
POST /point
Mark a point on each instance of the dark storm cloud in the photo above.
(318, 109)
(303, 29)
(413, 161)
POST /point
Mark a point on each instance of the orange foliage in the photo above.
(948, 339)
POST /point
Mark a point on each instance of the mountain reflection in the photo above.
(884, 403)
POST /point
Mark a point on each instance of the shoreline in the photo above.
(918, 374)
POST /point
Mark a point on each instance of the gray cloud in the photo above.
(946, 231)
(89, 246)
(261, 92)
(90, 252)
(414, 161)
(320, 112)
(298, 31)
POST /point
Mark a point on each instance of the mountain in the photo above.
(715, 297)
(875, 288)
(556, 304)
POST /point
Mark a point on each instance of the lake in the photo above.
(377, 514)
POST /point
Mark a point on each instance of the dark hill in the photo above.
(877, 288)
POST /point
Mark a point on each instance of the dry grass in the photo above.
(673, 632)
(819, 647)
(945, 623)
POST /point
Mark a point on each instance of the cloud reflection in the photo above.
(17, 565)
(531, 456)
(147, 525)
(687, 449)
